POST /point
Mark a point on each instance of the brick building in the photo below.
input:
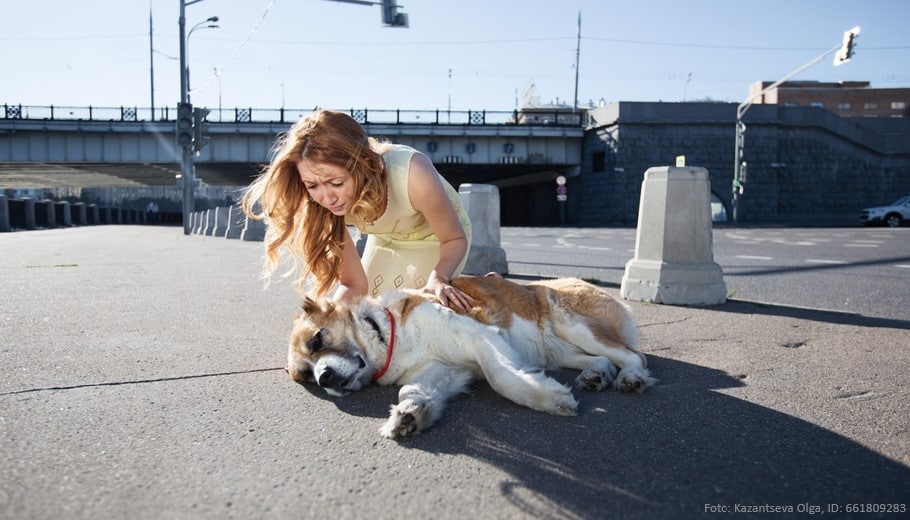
(844, 98)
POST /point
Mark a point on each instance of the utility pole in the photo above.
(577, 58)
(187, 172)
(844, 50)
(151, 62)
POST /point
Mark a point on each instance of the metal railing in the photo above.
(289, 115)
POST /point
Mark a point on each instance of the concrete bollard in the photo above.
(674, 246)
(253, 231)
(77, 213)
(481, 202)
(92, 215)
(24, 214)
(221, 221)
(45, 216)
(210, 215)
(236, 222)
(62, 213)
(194, 223)
(4, 214)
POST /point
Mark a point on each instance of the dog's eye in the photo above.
(315, 343)
(372, 323)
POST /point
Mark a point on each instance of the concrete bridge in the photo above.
(46, 146)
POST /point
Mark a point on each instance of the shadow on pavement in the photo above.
(672, 452)
(821, 315)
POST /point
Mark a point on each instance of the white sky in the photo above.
(307, 53)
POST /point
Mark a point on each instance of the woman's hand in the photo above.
(448, 295)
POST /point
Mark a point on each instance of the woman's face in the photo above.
(330, 186)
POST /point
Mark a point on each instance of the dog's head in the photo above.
(325, 348)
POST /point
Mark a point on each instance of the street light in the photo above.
(187, 173)
(209, 23)
(390, 15)
(844, 53)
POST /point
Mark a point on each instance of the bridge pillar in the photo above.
(674, 257)
(481, 202)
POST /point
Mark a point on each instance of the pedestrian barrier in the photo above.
(25, 213)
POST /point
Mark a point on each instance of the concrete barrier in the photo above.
(77, 213)
(236, 222)
(92, 215)
(221, 221)
(22, 213)
(45, 216)
(253, 231)
(210, 215)
(481, 202)
(4, 214)
(62, 213)
(674, 246)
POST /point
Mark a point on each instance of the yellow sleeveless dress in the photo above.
(401, 248)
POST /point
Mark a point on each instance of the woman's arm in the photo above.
(429, 197)
(353, 280)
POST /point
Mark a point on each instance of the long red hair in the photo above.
(296, 223)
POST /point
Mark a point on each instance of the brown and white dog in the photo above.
(512, 334)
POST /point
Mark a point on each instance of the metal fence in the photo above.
(289, 115)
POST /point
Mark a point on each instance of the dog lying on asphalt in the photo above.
(513, 333)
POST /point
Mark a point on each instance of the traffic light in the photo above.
(184, 124)
(390, 15)
(845, 52)
(199, 128)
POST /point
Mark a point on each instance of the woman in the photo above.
(326, 175)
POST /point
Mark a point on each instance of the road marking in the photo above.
(860, 245)
(749, 257)
(902, 266)
(562, 242)
(822, 261)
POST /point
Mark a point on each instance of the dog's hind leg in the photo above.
(593, 338)
(504, 370)
(597, 373)
(422, 400)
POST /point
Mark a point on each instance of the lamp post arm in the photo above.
(741, 109)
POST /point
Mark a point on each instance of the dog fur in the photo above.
(513, 333)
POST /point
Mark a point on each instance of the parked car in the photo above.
(892, 215)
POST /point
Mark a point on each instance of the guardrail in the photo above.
(289, 115)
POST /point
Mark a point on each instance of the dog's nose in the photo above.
(327, 377)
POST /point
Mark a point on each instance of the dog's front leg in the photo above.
(424, 396)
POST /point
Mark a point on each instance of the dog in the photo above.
(511, 335)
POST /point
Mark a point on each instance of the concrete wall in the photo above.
(805, 165)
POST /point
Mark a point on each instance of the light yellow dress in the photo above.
(401, 248)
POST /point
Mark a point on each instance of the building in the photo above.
(844, 98)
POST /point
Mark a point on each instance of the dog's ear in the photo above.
(316, 306)
(308, 305)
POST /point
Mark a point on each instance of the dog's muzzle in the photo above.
(337, 382)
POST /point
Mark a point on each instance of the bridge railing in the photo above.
(289, 115)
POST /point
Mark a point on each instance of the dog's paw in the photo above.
(635, 379)
(406, 418)
(596, 379)
(560, 402)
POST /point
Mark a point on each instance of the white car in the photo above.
(892, 215)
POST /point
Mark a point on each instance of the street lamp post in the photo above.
(187, 172)
(844, 53)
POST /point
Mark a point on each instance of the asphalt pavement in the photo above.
(142, 378)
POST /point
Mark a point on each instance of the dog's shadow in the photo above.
(677, 450)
